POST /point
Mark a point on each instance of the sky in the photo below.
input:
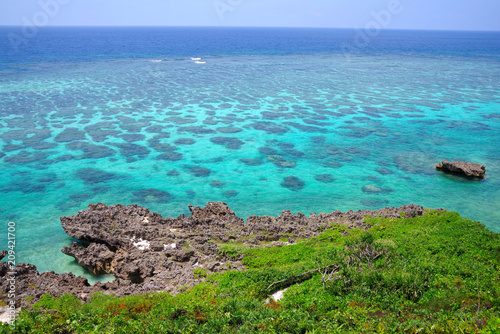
(388, 14)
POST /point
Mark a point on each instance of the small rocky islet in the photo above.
(146, 252)
(467, 169)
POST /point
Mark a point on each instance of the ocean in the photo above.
(268, 119)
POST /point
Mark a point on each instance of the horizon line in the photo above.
(267, 27)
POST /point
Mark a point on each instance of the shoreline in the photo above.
(146, 252)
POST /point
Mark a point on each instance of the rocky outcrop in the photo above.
(97, 258)
(462, 168)
(146, 252)
(269, 228)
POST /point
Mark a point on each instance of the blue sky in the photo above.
(391, 14)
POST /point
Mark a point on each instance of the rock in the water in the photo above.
(462, 168)
(97, 258)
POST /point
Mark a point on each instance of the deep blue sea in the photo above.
(265, 119)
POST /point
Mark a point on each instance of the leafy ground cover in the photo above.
(438, 273)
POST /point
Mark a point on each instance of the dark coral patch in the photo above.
(295, 153)
(29, 136)
(25, 157)
(199, 171)
(251, 162)
(269, 127)
(267, 151)
(283, 163)
(80, 197)
(318, 140)
(101, 131)
(69, 135)
(40, 146)
(371, 189)
(331, 164)
(93, 176)
(210, 121)
(196, 130)
(306, 128)
(132, 137)
(130, 150)
(100, 190)
(160, 147)
(48, 178)
(171, 156)
(230, 193)
(13, 147)
(229, 130)
(135, 127)
(217, 184)
(286, 145)
(91, 151)
(24, 186)
(155, 129)
(157, 144)
(325, 178)
(356, 131)
(8, 136)
(374, 203)
(293, 183)
(74, 201)
(180, 120)
(228, 142)
(152, 195)
(173, 172)
(185, 141)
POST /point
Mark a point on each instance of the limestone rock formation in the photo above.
(146, 252)
(462, 168)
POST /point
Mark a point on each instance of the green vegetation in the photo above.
(433, 274)
(235, 250)
(198, 272)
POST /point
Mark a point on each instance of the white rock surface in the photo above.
(141, 244)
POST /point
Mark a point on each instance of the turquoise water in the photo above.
(165, 134)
